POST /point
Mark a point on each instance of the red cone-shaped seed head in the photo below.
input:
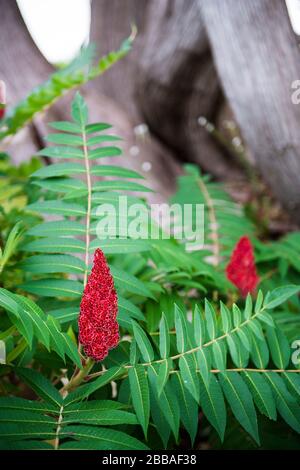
(241, 270)
(98, 327)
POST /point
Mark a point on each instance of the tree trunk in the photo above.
(119, 85)
(22, 67)
(258, 58)
(169, 81)
(177, 83)
(111, 24)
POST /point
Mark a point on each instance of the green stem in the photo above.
(5, 334)
(212, 371)
(209, 343)
(240, 369)
(74, 382)
(16, 351)
(198, 348)
(89, 206)
(79, 378)
(59, 423)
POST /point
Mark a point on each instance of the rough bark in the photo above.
(258, 57)
(119, 85)
(171, 67)
(22, 67)
(178, 83)
(111, 24)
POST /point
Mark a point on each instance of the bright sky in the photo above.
(58, 27)
(293, 7)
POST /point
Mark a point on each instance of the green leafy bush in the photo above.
(79, 72)
(195, 359)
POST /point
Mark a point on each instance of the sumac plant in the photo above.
(121, 343)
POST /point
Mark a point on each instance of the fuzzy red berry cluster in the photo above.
(241, 270)
(98, 327)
